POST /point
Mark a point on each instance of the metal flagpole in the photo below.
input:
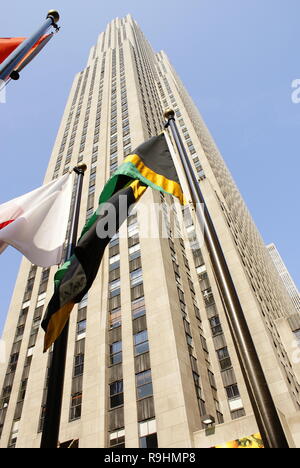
(50, 435)
(263, 405)
(8, 66)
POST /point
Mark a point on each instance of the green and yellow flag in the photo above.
(150, 165)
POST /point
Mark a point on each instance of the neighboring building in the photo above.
(285, 276)
(150, 351)
(291, 288)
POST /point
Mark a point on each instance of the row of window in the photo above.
(188, 333)
(78, 363)
(144, 390)
(14, 356)
(227, 373)
(115, 371)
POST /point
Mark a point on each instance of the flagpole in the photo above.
(8, 66)
(263, 405)
(50, 435)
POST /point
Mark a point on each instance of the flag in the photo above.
(8, 45)
(36, 223)
(34, 51)
(150, 165)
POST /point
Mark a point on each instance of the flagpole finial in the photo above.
(54, 15)
(169, 114)
(80, 168)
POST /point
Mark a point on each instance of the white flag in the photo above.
(36, 223)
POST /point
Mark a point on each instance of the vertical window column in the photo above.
(116, 435)
(15, 351)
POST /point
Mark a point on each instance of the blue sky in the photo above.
(237, 59)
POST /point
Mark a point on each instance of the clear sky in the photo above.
(238, 60)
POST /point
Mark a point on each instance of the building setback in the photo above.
(150, 352)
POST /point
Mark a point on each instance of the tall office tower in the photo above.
(150, 353)
(285, 276)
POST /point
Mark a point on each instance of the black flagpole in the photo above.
(50, 435)
(7, 68)
(263, 405)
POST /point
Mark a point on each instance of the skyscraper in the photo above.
(285, 276)
(150, 353)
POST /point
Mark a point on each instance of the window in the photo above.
(235, 404)
(232, 391)
(215, 324)
(113, 167)
(133, 230)
(138, 307)
(117, 439)
(208, 296)
(114, 302)
(211, 378)
(116, 394)
(224, 358)
(20, 331)
(13, 358)
(181, 295)
(141, 344)
(114, 259)
(136, 277)
(126, 142)
(93, 175)
(149, 441)
(148, 435)
(114, 288)
(114, 240)
(115, 319)
(89, 213)
(240, 413)
(41, 300)
(75, 411)
(144, 384)
(134, 252)
(116, 352)
(81, 327)
(78, 365)
(189, 340)
(202, 407)
(83, 302)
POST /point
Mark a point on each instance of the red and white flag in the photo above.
(36, 223)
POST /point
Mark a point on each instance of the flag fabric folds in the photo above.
(8, 45)
(73, 280)
(36, 223)
(36, 49)
(150, 165)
